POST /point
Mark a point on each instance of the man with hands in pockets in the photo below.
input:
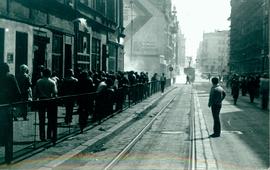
(217, 94)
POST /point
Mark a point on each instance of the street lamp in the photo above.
(131, 29)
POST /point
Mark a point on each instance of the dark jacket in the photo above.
(217, 94)
(9, 89)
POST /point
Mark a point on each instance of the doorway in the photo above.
(21, 51)
(39, 61)
(68, 56)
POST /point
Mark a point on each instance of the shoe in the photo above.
(214, 136)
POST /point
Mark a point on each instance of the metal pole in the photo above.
(9, 139)
(131, 31)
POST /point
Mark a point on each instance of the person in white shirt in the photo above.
(217, 94)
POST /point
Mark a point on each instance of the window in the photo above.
(92, 4)
(111, 10)
(83, 43)
(95, 54)
(57, 54)
(83, 50)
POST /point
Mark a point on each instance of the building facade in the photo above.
(151, 41)
(249, 46)
(61, 34)
(213, 53)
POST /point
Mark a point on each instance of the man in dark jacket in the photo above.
(9, 93)
(69, 87)
(217, 94)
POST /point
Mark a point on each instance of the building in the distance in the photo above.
(181, 55)
(151, 35)
(213, 53)
(62, 34)
(249, 46)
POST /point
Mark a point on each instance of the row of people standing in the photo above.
(48, 86)
(107, 89)
(254, 85)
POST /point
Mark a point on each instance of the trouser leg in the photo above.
(217, 126)
(41, 115)
(52, 122)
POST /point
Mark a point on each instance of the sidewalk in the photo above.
(50, 157)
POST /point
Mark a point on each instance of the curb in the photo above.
(205, 158)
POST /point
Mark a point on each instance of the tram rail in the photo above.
(113, 163)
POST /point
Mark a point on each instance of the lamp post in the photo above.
(131, 30)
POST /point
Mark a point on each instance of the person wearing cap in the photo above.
(217, 94)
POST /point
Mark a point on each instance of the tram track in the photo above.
(137, 137)
(125, 151)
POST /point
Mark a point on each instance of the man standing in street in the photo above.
(217, 94)
(46, 89)
(162, 82)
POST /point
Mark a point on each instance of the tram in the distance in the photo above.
(190, 71)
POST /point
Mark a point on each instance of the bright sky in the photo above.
(198, 16)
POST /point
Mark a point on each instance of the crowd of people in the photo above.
(96, 93)
(253, 85)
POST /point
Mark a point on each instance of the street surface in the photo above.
(166, 144)
(244, 141)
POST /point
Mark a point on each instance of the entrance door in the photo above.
(21, 50)
(68, 57)
(2, 40)
(39, 56)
